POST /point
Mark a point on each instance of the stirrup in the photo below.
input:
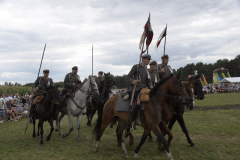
(133, 126)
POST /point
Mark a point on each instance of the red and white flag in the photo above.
(149, 35)
(162, 35)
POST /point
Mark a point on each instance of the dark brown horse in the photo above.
(45, 111)
(151, 117)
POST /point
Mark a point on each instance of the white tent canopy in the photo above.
(230, 80)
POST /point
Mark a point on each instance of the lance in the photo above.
(164, 51)
(41, 60)
(92, 60)
(134, 88)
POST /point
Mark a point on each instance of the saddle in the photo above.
(65, 97)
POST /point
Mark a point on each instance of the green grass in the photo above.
(216, 134)
(17, 89)
(219, 99)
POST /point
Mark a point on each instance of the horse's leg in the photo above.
(184, 129)
(78, 125)
(52, 128)
(88, 113)
(106, 120)
(38, 135)
(91, 116)
(157, 132)
(118, 142)
(70, 118)
(150, 137)
(165, 130)
(34, 134)
(121, 128)
(41, 132)
(58, 123)
(143, 139)
(130, 136)
(172, 121)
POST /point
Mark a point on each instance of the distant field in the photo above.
(16, 89)
(219, 99)
(216, 134)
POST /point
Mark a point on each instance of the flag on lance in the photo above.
(162, 35)
(148, 32)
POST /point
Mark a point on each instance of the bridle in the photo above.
(180, 94)
(190, 100)
(88, 90)
(197, 91)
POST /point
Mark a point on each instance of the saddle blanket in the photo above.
(123, 105)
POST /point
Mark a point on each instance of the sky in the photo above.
(198, 31)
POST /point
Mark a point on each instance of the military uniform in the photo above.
(153, 74)
(71, 78)
(144, 81)
(167, 69)
(42, 83)
(99, 81)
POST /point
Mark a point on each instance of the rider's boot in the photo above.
(134, 115)
(30, 114)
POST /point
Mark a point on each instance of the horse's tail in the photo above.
(97, 125)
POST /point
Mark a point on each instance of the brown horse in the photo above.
(173, 91)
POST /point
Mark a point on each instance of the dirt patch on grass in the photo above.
(216, 107)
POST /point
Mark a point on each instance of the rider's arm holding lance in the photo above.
(35, 84)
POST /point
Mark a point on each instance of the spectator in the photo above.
(2, 108)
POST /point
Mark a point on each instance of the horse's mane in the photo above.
(155, 88)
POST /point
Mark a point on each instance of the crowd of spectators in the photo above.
(13, 105)
(221, 88)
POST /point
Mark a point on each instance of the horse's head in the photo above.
(105, 88)
(190, 90)
(179, 90)
(54, 94)
(93, 86)
(198, 88)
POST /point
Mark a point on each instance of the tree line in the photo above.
(232, 65)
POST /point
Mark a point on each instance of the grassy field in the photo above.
(219, 99)
(216, 133)
(16, 89)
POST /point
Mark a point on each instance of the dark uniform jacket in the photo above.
(99, 81)
(167, 71)
(143, 76)
(71, 78)
(154, 77)
(42, 83)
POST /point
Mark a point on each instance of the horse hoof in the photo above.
(135, 156)
(79, 140)
(47, 139)
(150, 139)
(193, 145)
(130, 143)
(34, 135)
(56, 130)
(125, 155)
(41, 145)
(95, 149)
(162, 148)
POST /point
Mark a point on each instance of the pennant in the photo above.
(162, 35)
(149, 35)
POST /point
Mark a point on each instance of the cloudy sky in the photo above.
(204, 31)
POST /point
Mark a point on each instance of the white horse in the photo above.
(75, 106)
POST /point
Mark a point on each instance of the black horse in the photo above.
(103, 97)
(45, 111)
(178, 115)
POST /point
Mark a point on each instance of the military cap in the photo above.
(165, 56)
(45, 71)
(100, 72)
(153, 62)
(75, 67)
(146, 56)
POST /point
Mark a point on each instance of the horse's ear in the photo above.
(178, 75)
(199, 76)
(57, 86)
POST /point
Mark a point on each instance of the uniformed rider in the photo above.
(43, 83)
(71, 81)
(142, 80)
(99, 79)
(164, 69)
(153, 73)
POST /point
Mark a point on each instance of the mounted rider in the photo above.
(43, 83)
(164, 69)
(99, 79)
(71, 81)
(142, 80)
(153, 73)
